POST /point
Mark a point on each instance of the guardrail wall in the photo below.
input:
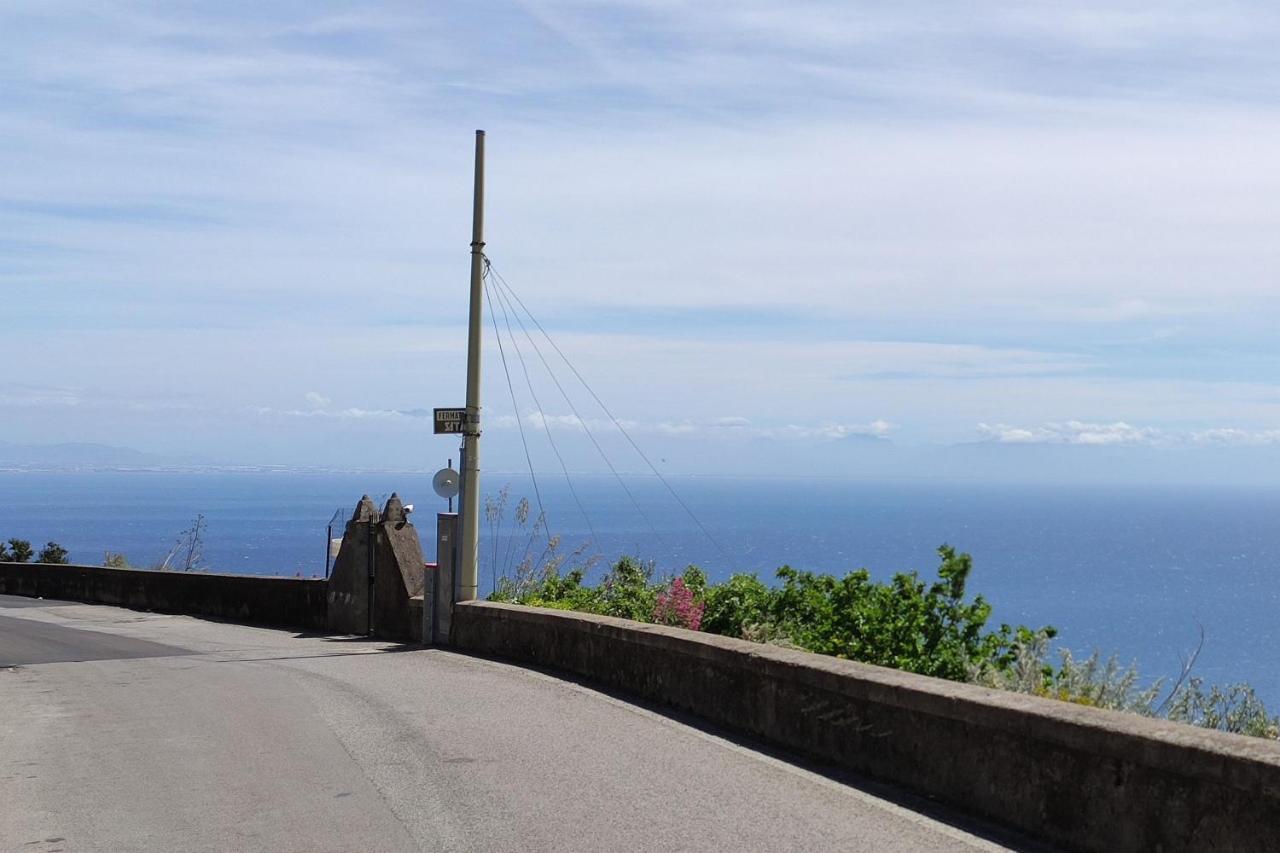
(1081, 777)
(280, 602)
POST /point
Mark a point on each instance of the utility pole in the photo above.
(469, 505)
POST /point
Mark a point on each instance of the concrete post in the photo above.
(445, 592)
(468, 552)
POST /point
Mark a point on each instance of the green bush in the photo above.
(1235, 708)
(906, 623)
(628, 591)
(565, 592)
(52, 552)
(1106, 684)
(928, 628)
(739, 607)
(696, 580)
(19, 551)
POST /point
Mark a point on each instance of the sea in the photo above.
(1133, 571)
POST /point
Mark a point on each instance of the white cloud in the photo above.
(931, 216)
(1121, 433)
(731, 425)
(1073, 432)
(831, 431)
(1112, 312)
(348, 414)
(30, 396)
(1232, 436)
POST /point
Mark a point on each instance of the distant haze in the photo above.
(878, 461)
(823, 238)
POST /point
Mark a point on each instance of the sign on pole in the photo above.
(449, 421)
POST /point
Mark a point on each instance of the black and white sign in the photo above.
(449, 420)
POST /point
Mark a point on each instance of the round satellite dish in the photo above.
(445, 482)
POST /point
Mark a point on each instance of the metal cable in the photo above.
(542, 414)
(582, 421)
(515, 407)
(510, 292)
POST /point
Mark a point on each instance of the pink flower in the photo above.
(675, 606)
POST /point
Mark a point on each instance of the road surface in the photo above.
(128, 731)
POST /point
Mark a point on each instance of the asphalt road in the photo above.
(25, 641)
(126, 731)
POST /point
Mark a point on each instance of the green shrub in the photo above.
(19, 551)
(1235, 708)
(737, 607)
(565, 592)
(696, 580)
(52, 552)
(905, 624)
(1093, 682)
(1103, 685)
(628, 591)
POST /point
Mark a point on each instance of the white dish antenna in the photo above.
(445, 482)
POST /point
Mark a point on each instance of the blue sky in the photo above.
(238, 231)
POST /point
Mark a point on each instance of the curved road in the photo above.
(127, 731)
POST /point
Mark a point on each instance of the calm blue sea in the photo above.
(1129, 570)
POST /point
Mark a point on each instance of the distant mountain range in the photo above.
(76, 455)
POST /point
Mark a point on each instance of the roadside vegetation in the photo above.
(929, 626)
(185, 555)
(20, 551)
(187, 552)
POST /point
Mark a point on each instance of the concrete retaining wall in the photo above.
(279, 602)
(1081, 777)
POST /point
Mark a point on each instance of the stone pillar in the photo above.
(349, 580)
(398, 569)
(382, 548)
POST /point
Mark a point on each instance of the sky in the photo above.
(762, 231)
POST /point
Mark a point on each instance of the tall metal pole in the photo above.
(469, 505)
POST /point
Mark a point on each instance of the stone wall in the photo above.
(278, 602)
(1081, 777)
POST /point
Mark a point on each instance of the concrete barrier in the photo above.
(279, 602)
(1081, 777)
